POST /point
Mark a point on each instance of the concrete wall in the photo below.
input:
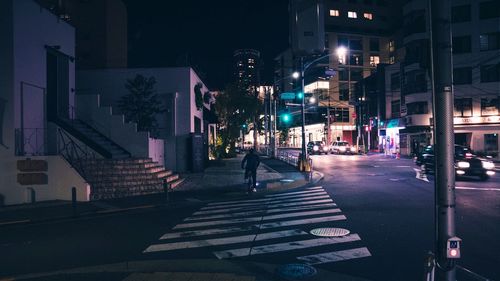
(25, 30)
(156, 150)
(112, 126)
(175, 85)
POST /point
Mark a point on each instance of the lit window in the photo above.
(352, 15)
(334, 13)
(250, 61)
(392, 60)
(391, 46)
(374, 60)
(368, 16)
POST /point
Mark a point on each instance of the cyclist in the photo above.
(250, 163)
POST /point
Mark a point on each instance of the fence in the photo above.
(30, 141)
(288, 157)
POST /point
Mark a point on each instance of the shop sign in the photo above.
(476, 120)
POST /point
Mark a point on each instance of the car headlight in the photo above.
(315, 148)
(325, 148)
(463, 164)
(488, 165)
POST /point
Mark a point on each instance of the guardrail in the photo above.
(288, 157)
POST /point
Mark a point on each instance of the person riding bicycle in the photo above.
(250, 163)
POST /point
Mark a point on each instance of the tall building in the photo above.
(247, 64)
(476, 77)
(349, 38)
(101, 30)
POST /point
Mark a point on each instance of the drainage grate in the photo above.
(330, 232)
(296, 271)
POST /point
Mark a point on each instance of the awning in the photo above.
(395, 123)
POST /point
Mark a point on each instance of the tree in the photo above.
(234, 107)
(141, 104)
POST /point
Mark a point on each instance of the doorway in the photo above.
(57, 85)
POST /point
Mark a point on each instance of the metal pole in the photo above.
(302, 111)
(266, 120)
(275, 148)
(444, 145)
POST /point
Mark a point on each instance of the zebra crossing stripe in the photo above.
(269, 202)
(226, 230)
(281, 247)
(212, 231)
(223, 241)
(294, 193)
(260, 211)
(256, 219)
(310, 193)
(258, 207)
(336, 256)
(314, 187)
(302, 221)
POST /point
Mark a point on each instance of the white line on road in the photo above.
(295, 193)
(281, 247)
(253, 207)
(310, 193)
(255, 219)
(403, 166)
(335, 256)
(301, 221)
(260, 211)
(223, 241)
(478, 188)
(274, 201)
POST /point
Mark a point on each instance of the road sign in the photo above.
(287, 96)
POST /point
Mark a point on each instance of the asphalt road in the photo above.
(388, 211)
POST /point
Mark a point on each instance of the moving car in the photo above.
(317, 147)
(466, 164)
(341, 147)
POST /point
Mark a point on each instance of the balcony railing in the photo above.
(30, 141)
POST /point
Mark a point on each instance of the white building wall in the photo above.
(25, 30)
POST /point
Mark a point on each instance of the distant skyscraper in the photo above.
(247, 63)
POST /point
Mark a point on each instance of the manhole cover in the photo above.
(296, 271)
(330, 232)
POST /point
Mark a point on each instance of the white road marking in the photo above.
(403, 166)
(255, 219)
(223, 241)
(295, 193)
(274, 201)
(212, 231)
(478, 188)
(248, 208)
(311, 193)
(265, 211)
(281, 247)
(335, 256)
(314, 187)
(301, 221)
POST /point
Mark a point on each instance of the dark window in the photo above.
(490, 106)
(489, 41)
(374, 45)
(395, 81)
(343, 75)
(197, 125)
(415, 82)
(340, 115)
(489, 9)
(461, 44)
(491, 143)
(414, 22)
(460, 13)
(344, 91)
(417, 108)
(490, 73)
(356, 44)
(463, 107)
(395, 109)
(462, 75)
(356, 74)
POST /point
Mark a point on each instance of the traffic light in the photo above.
(300, 95)
(286, 117)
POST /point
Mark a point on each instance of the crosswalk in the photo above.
(274, 224)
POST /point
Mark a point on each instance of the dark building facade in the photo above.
(247, 66)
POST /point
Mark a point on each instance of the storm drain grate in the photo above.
(296, 271)
(330, 232)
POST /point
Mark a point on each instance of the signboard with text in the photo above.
(476, 120)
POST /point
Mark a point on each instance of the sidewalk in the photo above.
(222, 178)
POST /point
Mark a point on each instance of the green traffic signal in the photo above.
(286, 117)
(300, 95)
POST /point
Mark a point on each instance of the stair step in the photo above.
(176, 183)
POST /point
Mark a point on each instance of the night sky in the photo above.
(165, 32)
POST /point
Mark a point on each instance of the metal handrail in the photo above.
(30, 141)
(75, 114)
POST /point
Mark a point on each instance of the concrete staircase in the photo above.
(117, 178)
(116, 151)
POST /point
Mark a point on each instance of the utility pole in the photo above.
(441, 61)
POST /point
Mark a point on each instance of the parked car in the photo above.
(341, 147)
(317, 147)
(466, 164)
